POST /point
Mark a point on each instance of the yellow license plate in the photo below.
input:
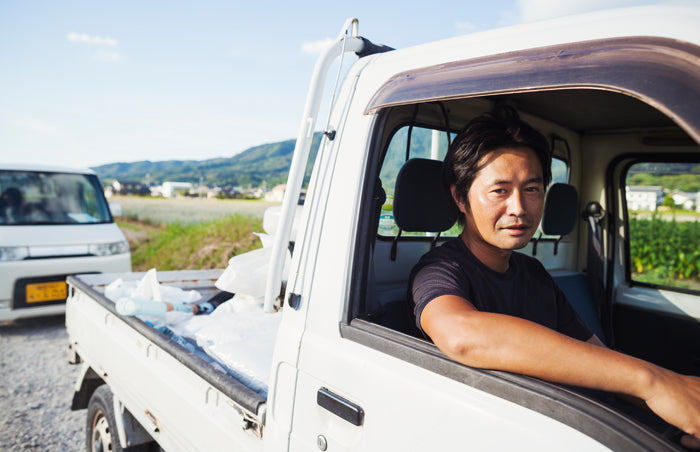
(48, 291)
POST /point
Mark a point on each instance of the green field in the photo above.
(665, 251)
(186, 233)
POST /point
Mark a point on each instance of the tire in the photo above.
(101, 428)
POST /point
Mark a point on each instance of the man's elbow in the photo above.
(462, 342)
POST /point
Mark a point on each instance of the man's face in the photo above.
(505, 200)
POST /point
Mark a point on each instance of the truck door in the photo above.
(364, 386)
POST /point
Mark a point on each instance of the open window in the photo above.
(662, 200)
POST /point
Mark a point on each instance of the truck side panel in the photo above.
(163, 394)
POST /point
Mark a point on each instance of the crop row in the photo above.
(668, 248)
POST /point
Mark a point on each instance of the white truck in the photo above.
(618, 95)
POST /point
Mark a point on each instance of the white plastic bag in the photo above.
(247, 273)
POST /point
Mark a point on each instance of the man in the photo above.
(488, 307)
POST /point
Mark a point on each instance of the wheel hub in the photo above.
(101, 436)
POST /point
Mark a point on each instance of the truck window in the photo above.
(663, 211)
(35, 198)
(408, 142)
(428, 144)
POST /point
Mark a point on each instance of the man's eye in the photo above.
(533, 189)
(499, 191)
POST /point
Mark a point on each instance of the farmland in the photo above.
(186, 233)
(666, 250)
(187, 210)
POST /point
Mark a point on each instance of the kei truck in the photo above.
(315, 352)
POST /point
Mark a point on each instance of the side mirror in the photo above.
(116, 209)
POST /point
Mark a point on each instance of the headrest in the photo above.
(421, 203)
(560, 210)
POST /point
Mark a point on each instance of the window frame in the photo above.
(627, 162)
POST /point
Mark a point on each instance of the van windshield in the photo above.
(36, 197)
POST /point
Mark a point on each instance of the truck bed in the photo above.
(120, 349)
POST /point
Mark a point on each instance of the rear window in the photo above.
(419, 142)
(38, 198)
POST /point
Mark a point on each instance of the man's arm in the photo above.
(502, 342)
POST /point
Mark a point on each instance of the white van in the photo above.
(54, 222)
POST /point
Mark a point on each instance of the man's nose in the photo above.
(516, 204)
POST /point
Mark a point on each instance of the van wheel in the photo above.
(101, 429)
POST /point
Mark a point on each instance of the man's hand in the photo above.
(690, 442)
(676, 398)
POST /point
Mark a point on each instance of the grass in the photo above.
(189, 246)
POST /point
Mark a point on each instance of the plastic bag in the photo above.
(247, 273)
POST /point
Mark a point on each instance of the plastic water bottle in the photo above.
(177, 338)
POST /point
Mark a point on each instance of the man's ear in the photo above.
(461, 204)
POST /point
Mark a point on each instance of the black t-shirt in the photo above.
(525, 290)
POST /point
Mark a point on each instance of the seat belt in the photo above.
(595, 272)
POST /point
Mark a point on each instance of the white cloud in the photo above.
(316, 47)
(100, 43)
(93, 40)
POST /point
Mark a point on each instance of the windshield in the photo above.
(35, 197)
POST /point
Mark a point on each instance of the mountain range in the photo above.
(268, 162)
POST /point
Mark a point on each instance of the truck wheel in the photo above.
(101, 430)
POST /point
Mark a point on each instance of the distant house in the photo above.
(156, 190)
(127, 188)
(684, 199)
(276, 194)
(201, 191)
(172, 189)
(214, 192)
(640, 197)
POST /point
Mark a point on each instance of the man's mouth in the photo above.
(522, 226)
(517, 229)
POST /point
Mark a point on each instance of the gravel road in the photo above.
(36, 388)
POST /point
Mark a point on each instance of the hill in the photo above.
(268, 162)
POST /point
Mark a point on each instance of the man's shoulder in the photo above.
(447, 255)
(451, 250)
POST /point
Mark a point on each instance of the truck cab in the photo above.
(615, 99)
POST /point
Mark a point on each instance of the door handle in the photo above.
(341, 407)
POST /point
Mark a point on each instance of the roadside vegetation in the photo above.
(189, 246)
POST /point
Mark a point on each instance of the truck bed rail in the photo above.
(246, 397)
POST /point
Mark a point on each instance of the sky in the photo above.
(84, 83)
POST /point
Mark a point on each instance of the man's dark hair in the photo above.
(502, 128)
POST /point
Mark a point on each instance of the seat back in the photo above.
(560, 210)
(559, 218)
(421, 202)
(559, 215)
